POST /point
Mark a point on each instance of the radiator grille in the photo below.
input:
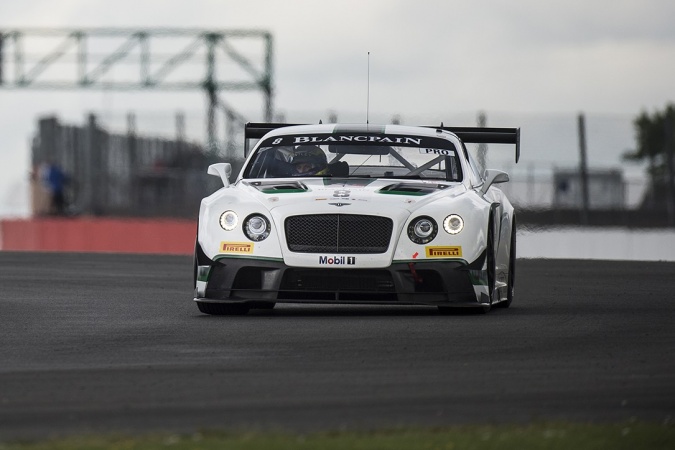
(339, 233)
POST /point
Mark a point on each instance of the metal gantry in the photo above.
(119, 59)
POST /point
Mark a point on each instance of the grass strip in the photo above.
(629, 436)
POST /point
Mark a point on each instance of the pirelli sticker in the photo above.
(443, 252)
(241, 248)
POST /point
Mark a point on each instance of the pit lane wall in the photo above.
(105, 235)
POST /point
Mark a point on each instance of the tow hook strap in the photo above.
(418, 279)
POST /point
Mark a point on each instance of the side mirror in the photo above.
(222, 170)
(493, 177)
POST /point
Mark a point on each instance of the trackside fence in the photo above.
(120, 174)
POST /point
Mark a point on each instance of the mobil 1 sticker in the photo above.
(437, 151)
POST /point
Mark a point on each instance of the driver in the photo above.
(309, 160)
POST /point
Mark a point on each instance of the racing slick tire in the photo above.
(491, 265)
(512, 269)
(223, 309)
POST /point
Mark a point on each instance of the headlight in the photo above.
(256, 227)
(453, 224)
(229, 220)
(422, 230)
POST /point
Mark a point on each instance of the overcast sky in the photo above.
(429, 58)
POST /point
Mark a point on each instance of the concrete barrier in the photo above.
(161, 236)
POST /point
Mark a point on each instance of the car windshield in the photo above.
(336, 156)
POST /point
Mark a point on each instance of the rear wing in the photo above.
(254, 130)
(479, 135)
(472, 135)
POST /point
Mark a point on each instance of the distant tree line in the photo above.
(656, 144)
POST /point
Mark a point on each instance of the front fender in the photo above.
(467, 246)
(215, 241)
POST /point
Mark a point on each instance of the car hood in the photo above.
(328, 195)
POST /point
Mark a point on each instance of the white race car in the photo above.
(357, 214)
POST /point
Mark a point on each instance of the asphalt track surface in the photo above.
(114, 344)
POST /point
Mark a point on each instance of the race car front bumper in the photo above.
(235, 280)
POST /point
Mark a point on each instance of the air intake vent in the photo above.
(338, 233)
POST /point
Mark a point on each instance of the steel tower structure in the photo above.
(157, 59)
